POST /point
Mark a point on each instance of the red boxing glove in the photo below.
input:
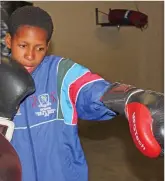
(144, 110)
(145, 114)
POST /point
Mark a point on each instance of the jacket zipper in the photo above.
(32, 145)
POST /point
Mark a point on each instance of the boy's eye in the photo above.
(40, 49)
(22, 46)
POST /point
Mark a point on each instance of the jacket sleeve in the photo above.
(80, 93)
(88, 104)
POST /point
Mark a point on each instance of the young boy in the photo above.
(46, 134)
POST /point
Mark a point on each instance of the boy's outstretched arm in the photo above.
(90, 97)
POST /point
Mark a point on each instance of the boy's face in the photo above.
(28, 46)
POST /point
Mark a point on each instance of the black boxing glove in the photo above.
(15, 85)
(144, 110)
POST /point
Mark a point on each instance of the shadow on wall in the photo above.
(107, 35)
(145, 169)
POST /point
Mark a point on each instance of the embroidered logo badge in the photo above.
(45, 106)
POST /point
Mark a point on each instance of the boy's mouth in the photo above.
(29, 69)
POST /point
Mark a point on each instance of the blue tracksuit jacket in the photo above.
(46, 133)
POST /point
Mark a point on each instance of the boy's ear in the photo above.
(8, 40)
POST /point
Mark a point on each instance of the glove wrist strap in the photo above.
(6, 128)
(118, 96)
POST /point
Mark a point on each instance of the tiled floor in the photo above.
(112, 156)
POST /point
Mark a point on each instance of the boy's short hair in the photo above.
(32, 16)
